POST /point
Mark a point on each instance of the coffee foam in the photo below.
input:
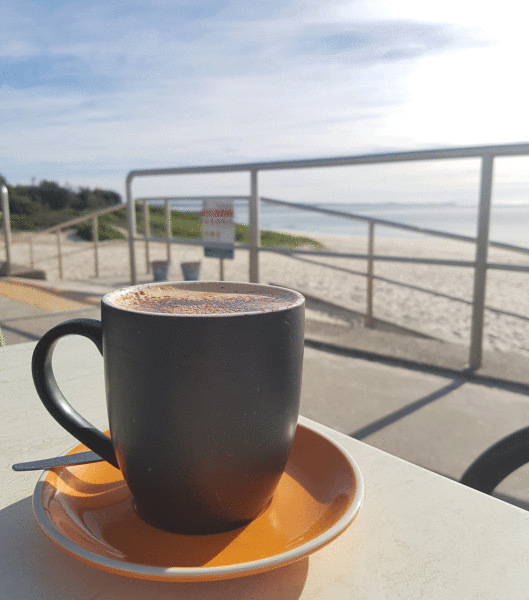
(185, 301)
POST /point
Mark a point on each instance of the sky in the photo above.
(94, 89)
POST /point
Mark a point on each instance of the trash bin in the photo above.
(191, 271)
(160, 270)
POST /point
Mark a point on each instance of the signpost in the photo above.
(4, 205)
(218, 228)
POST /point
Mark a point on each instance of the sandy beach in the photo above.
(435, 300)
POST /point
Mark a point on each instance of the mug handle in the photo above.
(51, 395)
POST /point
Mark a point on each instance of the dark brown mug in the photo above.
(202, 405)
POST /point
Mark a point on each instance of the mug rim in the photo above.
(298, 298)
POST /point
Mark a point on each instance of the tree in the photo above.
(108, 197)
(54, 196)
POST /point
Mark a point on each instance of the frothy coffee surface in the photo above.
(179, 301)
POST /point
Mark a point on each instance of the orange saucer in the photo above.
(87, 511)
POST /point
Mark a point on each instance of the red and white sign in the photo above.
(218, 227)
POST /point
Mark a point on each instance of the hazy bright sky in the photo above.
(91, 90)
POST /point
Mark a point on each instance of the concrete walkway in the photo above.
(420, 405)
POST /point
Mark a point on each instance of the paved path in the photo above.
(28, 309)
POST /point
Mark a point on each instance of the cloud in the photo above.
(127, 44)
(94, 89)
(380, 41)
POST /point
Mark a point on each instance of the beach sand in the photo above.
(435, 300)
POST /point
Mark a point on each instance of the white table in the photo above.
(418, 535)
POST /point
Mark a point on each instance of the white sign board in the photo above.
(218, 227)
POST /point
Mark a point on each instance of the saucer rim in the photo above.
(203, 573)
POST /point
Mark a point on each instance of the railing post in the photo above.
(254, 234)
(95, 238)
(131, 222)
(147, 233)
(168, 229)
(7, 226)
(480, 267)
(59, 252)
(370, 270)
(31, 256)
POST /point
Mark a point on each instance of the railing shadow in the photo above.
(405, 285)
(396, 415)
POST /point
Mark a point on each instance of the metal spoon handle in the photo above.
(81, 458)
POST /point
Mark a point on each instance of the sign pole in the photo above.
(7, 226)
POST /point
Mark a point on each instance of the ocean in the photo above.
(509, 222)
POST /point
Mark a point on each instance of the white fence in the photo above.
(480, 264)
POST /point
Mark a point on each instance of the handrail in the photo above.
(92, 216)
(339, 213)
(342, 161)
(77, 220)
(396, 224)
(480, 264)
(485, 153)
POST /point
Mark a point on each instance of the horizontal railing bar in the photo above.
(78, 220)
(385, 222)
(471, 152)
(382, 258)
(503, 246)
(508, 267)
(409, 286)
(405, 259)
(339, 213)
(452, 263)
(188, 198)
(435, 232)
(189, 241)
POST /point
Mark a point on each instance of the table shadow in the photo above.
(31, 566)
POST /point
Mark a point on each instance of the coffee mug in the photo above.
(203, 383)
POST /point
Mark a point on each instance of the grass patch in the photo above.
(105, 231)
(186, 224)
(270, 239)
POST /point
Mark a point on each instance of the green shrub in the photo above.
(184, 224)
(270, 239)
(105, 232)
(22, 223)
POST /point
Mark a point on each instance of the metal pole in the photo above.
(131, 222)
(31, 255)
(168, 229)
(480, 268)
(147, 232)
(255, 232)
(221, 277)
(59, 253)
(370, 269)
(95, 238)
(7, 227)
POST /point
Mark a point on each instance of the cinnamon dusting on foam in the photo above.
(174, 300)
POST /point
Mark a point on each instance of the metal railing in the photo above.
(57, 229)
(4, 206)
(480, 265)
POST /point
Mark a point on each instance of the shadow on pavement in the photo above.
(379, 424)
